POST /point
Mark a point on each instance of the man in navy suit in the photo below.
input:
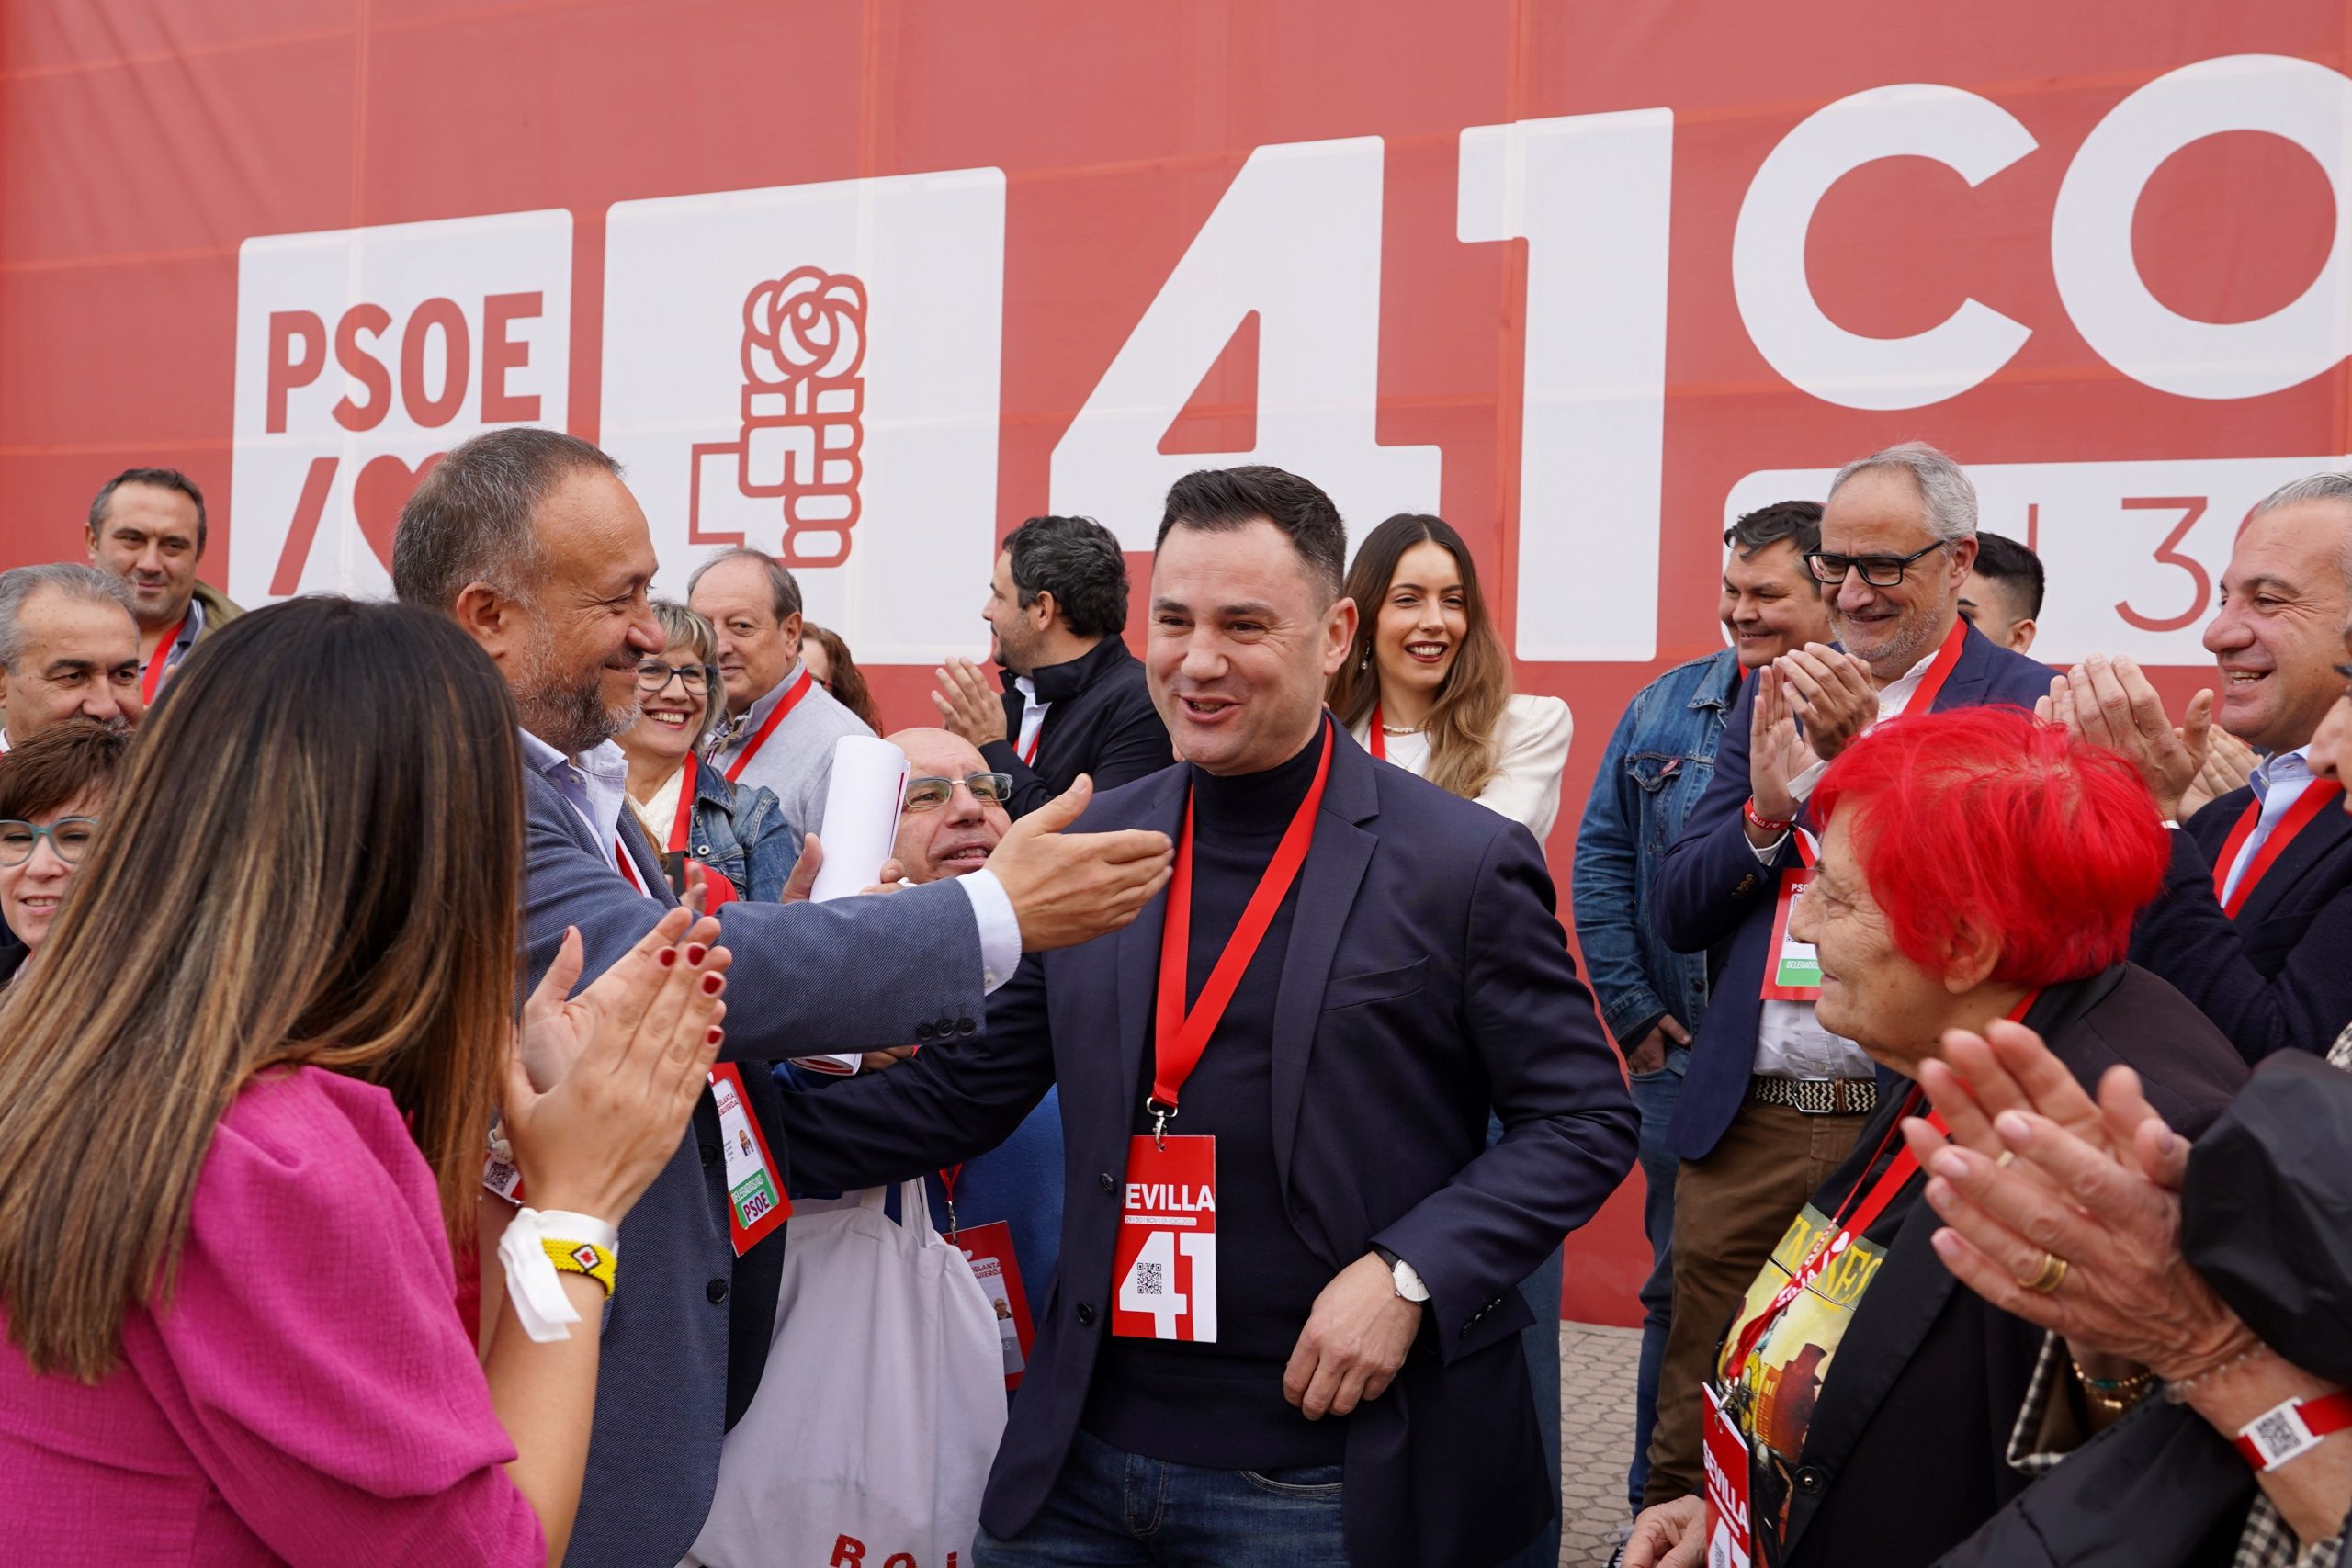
(530, 541)
(1284, 1327)
(1771, 1102)
(2257, 912)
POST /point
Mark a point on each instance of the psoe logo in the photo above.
(813, 371)
(363, 354)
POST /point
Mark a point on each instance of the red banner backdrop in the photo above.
(867, 283)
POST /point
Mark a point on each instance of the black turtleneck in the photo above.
(1221, 1405)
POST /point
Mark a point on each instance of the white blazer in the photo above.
(1526, 786)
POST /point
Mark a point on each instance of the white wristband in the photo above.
(532, 1283)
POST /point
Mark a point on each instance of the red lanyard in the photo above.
(684, 820)
(152, 681)
(2308, 806)
(948, 1176)
(627, 867)
(1028, 754)
(1947, 659)
(1180, 1037)
(1376, 735)
(1843, 1228)
(791, 700)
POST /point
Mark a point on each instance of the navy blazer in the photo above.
(1426, 980)
(1710, 887)
(2274, 978)
(852, 974)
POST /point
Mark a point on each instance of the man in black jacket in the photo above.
(1074, 700)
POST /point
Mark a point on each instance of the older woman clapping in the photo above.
(1973, 865)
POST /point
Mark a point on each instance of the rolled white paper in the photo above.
(862, 804)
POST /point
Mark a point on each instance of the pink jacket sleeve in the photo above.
(311, 1355)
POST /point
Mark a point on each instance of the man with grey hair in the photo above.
(2257, 910)
(1771, 1102)
(69, 649)
(781, 724)
(529, 540)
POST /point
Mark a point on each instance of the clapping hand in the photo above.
(2229, 762)
(967, 706)
(2110, 702)
(1777, 753)
(636, 1046)
(1831, 694)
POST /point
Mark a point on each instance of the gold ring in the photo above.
(2053, 1271)
(2007, 1156)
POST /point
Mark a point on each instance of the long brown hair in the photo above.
(1464, 723)
(314, 858)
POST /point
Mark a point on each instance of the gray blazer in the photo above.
(854, 974)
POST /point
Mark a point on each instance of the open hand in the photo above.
(641, 1038)
(968, 705)
(2110, 702)
(1071, 888)
(1777, 753)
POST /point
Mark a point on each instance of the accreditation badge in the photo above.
(1165, 1262)
(988, 1249)
(1791, 970)
(1729, 1543)
(755, 1201)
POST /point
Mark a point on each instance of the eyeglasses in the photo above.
(652, 675)
(1879, 571)
(69, 836)
(930, 793)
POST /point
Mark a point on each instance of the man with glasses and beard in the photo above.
(1771, 1102)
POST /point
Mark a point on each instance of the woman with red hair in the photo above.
(1972, 866)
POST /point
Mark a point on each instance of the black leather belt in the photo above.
(1816, 1097)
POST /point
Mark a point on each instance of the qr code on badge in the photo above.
(1151, 1279)
(2276, 1433)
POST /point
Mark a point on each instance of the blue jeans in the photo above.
(1110, 1508)
(1654, 1097)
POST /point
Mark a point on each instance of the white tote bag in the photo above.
(881, 1407)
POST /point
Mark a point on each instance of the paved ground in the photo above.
(1597, 1435)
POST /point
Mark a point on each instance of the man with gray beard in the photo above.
(529, 540)
(1771, 1102)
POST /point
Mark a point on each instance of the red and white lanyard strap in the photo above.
(1376, 737)
(1180, 1037)
(949, 1177)
(682, 825)
(152, 681)
(790, 700)
(1844, 1226)
(1931, 686)
(625, 866)
(2316, 797)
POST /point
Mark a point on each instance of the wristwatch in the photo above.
(1407, 1278)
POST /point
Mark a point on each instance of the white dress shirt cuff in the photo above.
(1801, 788)
(1767, 854)
(1000, 928)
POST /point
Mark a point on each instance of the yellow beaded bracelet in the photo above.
(580, 1257)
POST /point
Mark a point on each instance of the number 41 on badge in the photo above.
(1166, 1258)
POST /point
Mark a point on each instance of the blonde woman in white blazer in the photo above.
(1428, 685)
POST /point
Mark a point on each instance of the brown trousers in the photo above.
(1730, 1210)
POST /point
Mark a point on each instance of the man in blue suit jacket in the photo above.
(1363, 1399)
(531, 542)
(2256, 911)
(1771, 1102)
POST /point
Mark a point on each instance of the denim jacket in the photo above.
(738, 831)
(1657, 765)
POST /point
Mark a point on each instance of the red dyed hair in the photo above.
(1983, 821)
